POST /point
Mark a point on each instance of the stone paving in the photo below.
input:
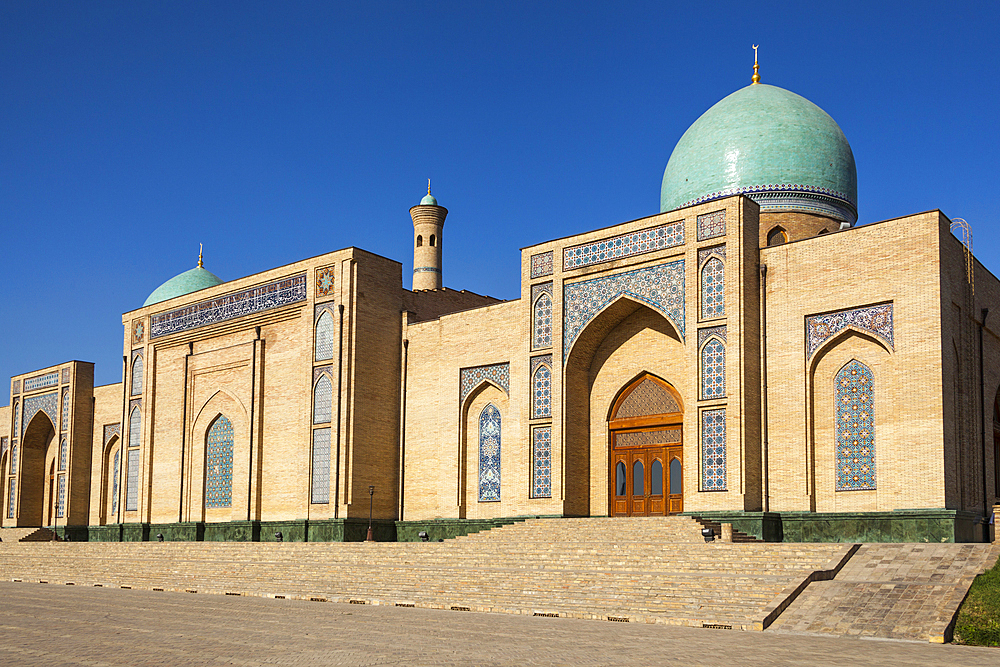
(64, 625)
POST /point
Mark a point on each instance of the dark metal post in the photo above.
(371, 502)
(982, 407)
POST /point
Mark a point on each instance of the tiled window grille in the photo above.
(17, 417)
(63, 453)
(11, 500)
(541, 462)
(137, 376)
(713, 289)
(61, 502)
(541, 317)
(321, 466)
(855, 426)
(132, 481)
(13, 459)
(65, 410)
(323, 401)
(114, 482)
(541, 389)
(134, 428)
(713, 369)
(324, 337)
(713, 450)
(489, 454)
(219, 464)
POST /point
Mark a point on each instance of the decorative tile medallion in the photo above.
(713, 450)
(321, 466)
(219, 464)
(708, 332)
(625, 245)
(65, 375)
(112, 430)
(541, 264)
(713, 289)
(489, 454)
(713, 370)
(138, 331)
(711, 225)
(47, 403)
(855, 425)
(876, 320)
(541, 316)
(230, 306)
(541, 462)
(660, 286)
(15, 387)
(470, 378)
(325, 281)
(541, 391)
(41, 381)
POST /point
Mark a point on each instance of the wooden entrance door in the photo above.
(646, 457)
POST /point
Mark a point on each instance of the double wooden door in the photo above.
(647, 481)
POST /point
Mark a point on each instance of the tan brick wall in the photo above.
(107, 411)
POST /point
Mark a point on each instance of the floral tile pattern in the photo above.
(541, 316)
(713, 450)
(855, 426)
(711, 225)
(541, 264)
(541, 462)
(114, 484)
(470, 378)
(325, 281)
(489, 454)
(875, 320)
(219, 464)
(624, 245)
(47, 403)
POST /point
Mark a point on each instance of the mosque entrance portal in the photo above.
(646, 456)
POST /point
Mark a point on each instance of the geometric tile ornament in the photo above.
(63, 453)
(110, 431)
(324, 281)
(219, 464)
(41, 381)
(647, 398)
(230, 306)
(875, 320)
(114, 482)
(713, 370)
(711, 225)
(470, 378)
(12, 487)
(135, 428)
(13, 459)
(541, 392)
(541, 264)
(321, 466)
(132, 481)
(660, 286)
(713, 450)
(323, 401)
(47, 403)
(712, 289)
(644, 438)
(541, 462)
(489, 454)
(324, 337)
(64, 424)
(625, 245)
(541, 316)
(855, 426)
(17, 413)
(708, 332)
(138, 332)
(61, 503)
(705, 253)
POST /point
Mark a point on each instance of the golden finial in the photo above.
(756, 74)
(428, 186)
(201, 248)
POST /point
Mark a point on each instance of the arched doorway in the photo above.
(647, 462)
(37, 458)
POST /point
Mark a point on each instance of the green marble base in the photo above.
(301, 530)
(445, 529)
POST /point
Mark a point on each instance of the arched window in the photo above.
(854, 415)
(323, 400)
(713, 369)
(542, 318)
(17, 417)
(134, 428)
(620, 479)
(777, 236)
(656, 478)
(132, 463)
(219, 464)
(541, 392)
(420, 240)
(137, 376)
(676, 477)
(324, 337)
(64, 425)
(489, 454)
(432, 240)
(638, 475)
(713, 285)
(63, 453)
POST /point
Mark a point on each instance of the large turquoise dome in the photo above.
(184, 283)
(774, 146)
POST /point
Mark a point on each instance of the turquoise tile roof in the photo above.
(190, 281)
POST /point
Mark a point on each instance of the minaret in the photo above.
(428, 223)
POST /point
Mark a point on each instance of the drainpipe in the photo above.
(122, 446)
(402, 431)
(340, 386)
(982, 407)
(253, 402)
(184, 427)
(763, 377)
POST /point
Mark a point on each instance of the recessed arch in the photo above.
(667, 405)
(848, 332)
(593, 333)
(777, 236)
(420, 241)
(325, 336)
(433, 240)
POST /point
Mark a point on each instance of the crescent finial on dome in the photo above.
(756, 75)
(201, 248)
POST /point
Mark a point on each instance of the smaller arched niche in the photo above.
(420, 241)
(777, 236)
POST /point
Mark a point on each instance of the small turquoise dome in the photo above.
(768, 143)
(190, 281)
(428, 200)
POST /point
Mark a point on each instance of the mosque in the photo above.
(748, 354)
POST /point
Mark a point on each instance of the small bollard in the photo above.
(279, 537)
(727, 532)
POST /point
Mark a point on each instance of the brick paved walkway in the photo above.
(64, 625)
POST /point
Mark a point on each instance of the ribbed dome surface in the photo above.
(184, 283)
(770, 144)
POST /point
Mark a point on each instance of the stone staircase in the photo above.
(628, 570)
(27, 535)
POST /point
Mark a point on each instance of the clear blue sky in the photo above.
(275, 131)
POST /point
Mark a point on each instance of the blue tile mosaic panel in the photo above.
(541, 264)
(132, 481)
(324, 337)
(660, 287)
(717, 250)
(321, 466)
(470, 378)
(219, 464)
(489, 454)
(855, 426)
(711, 225)
(323, 401)
(114, 482)
(230, 306)
(13, 459)
(541, 316)
(876, 320)
(11, 498)
(110, 431)
(706, 333)
(713, 370)
(63, 453)
(541, 392)
(138, 332)
(325, 281)
(64, 424)
(135, 428)
(15, 387)
(61, 502)
(47, 403)
(541, 462)
(624, 245)
(17, 416)
(136, 387)
(713, 450)
(41, 381)
(713, 287)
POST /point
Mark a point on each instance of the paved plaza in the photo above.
(104, 627)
